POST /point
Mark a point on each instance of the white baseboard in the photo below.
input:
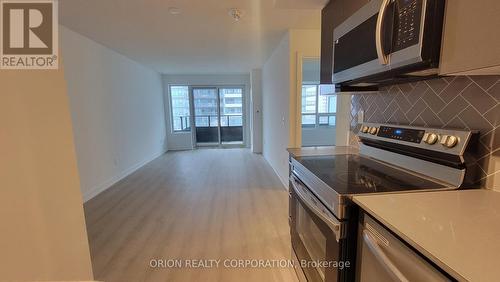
(180, 148)
(284, 182)
(110, 182)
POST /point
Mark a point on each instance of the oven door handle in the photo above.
(312, 204)
(382, 57)
(382, 257)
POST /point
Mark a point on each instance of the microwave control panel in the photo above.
(408, 14)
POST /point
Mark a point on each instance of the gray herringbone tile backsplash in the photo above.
(464, 102)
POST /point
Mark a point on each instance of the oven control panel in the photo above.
(407, 23)
(426, 138)
(403, 134)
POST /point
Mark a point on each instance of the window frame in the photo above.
(172, 124)
(316, 114)
(240, 87)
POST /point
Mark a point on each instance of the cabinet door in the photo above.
(471, 44)
(333, 14)
(383, 257)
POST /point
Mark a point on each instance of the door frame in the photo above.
(243, 115)
(342, 116)
(193, 122)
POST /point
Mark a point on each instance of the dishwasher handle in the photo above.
(382, 257)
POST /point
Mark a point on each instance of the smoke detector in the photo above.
(236, 14)
(174, 11)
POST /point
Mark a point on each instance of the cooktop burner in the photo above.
(354, 174)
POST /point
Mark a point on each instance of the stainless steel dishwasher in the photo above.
(382, 257)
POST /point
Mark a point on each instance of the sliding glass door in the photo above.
(218, 115)
(206, 116)
(231, 115)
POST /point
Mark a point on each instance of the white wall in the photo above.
(281, 88)
(319, 136)
(43, 235)
(304, 43)
(276, 110)
(117, 111)
(183, 140)
(343, 119)
(311, 70)
(256, 114)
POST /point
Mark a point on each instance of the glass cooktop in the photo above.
(354, 174)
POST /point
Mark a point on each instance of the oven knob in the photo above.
(373, 130)
(451, 141)
(432, 139)
(443, 140)
(425, 137)
(364, 129)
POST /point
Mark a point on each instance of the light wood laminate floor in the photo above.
(201, 204)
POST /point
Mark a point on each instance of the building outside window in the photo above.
(231, 106)
(319, 106)
(181, 118)
(205, 109)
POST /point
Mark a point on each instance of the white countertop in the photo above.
(458, 230)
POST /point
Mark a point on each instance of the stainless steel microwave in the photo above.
(388, 42)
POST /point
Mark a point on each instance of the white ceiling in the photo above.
(202, 39)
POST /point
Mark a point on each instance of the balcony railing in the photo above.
(183, 123)
(225, 121)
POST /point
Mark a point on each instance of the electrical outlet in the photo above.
(361, 116)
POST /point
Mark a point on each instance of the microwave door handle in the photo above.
(382, 57)
(382, 257)
(334, 226)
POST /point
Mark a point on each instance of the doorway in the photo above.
(318, 106)
(218, 115)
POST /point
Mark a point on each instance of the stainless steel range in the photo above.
(392, 159)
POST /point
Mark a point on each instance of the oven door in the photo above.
(316, 234)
